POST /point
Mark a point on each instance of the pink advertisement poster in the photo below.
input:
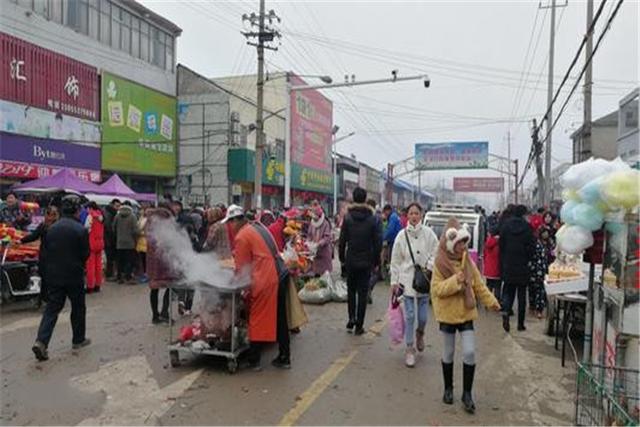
(311, 123)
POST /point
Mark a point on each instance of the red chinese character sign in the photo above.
(478, 185)
(452, 155)
(311, 124)
(38, 77)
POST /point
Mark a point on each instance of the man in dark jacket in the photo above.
(110, 213)
(67, 250)
(516, 249)
(125, 227)
(359, 250)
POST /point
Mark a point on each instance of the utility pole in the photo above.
(586, 138)
(265, 34)
(537, 152)
(203, 155)
(549, 117)
(509, 190)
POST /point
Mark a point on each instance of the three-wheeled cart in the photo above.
(222, 319)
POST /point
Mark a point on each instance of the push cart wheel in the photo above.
(175, 358)
(232, 366)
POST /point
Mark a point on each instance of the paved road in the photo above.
(337, 379)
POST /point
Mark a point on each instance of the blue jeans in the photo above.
(410, 316)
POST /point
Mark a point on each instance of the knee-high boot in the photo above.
(468, 372)
(447, 375)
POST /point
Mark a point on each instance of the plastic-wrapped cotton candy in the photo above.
(590, 192)
(574, 239)
(570, 194)
(567, 211)
(621, 189)
(587, 216)
(577, 176)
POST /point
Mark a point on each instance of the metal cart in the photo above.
(230, 342)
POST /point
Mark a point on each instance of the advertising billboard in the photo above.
(31, 121)
(32, 75)
(25, 157)
(311, 138)
(452, 155)
(478, 185)
(138, 128)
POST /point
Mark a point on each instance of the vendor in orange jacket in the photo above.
(267, 308)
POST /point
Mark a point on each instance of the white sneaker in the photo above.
(410, 358)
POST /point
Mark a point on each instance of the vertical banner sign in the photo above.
(452, 155)
(311, 124)
(38, 77)
(138, 128)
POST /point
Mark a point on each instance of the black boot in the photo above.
(447, 375)
(467, 384)
(505, 323)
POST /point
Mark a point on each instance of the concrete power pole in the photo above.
(547, 154)
(265, 34)
(586, 138)
(537, 152)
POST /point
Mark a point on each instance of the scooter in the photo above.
(19, 280)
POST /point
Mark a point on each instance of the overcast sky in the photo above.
(487, 62)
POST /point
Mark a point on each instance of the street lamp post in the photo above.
(334, 157)
(291, 89)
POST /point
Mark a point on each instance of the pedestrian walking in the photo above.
(141, 244)
(359, 252)
(50, 217)
(125, 226)
(413, 254)
(159, 272)
(491, 264)
(391, 230)
(255, 252)
(110, 247)
(320, 234)
(539, 267)
(455, 286)
(375, 272)
(516, 249)
(94, 223)
(66, 252)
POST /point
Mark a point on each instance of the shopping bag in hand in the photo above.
(396, 321)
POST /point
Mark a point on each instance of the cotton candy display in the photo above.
(574, 239)
(592, 189)
(588, 217)
(620, 189)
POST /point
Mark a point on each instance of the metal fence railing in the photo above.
(607, 396)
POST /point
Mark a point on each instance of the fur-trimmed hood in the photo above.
(360, 211)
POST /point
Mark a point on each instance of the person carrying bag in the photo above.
(413, 251)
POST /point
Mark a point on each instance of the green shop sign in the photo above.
(138, 128)
(304, 178)
(242, 167)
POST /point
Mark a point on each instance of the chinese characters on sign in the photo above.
(478, 185)
(452, 155)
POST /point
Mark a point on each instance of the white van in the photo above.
(437, 219)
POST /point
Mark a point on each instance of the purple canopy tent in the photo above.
(64, 180)
(114, 186)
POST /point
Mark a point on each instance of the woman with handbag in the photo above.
(455, 285)
(412, 258)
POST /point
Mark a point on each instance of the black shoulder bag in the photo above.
(421, 277)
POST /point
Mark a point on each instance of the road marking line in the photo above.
(316, 389)
(376, 329)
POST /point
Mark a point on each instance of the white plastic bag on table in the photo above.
(317, 296)
(574, 239)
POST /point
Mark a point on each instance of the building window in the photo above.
(27, 4)
(94, 20)
(78, 15)
(125, 31)
(157, 47)
(135, 37)
(105, 22)
(628, 117)
(55, 11)
(144, 41)
(169, 50)
(115, 27)
(40, 7)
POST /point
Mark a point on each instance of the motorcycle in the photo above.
(19, 280)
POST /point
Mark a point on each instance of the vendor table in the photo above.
(567, 303)
(568, 286)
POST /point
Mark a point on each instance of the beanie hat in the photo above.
(453, 235)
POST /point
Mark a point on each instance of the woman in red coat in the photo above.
(492, 263)
(95, 224)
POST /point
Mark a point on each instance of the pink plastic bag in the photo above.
(396, 323)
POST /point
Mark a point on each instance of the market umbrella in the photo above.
(114, 186)
(62, 181)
